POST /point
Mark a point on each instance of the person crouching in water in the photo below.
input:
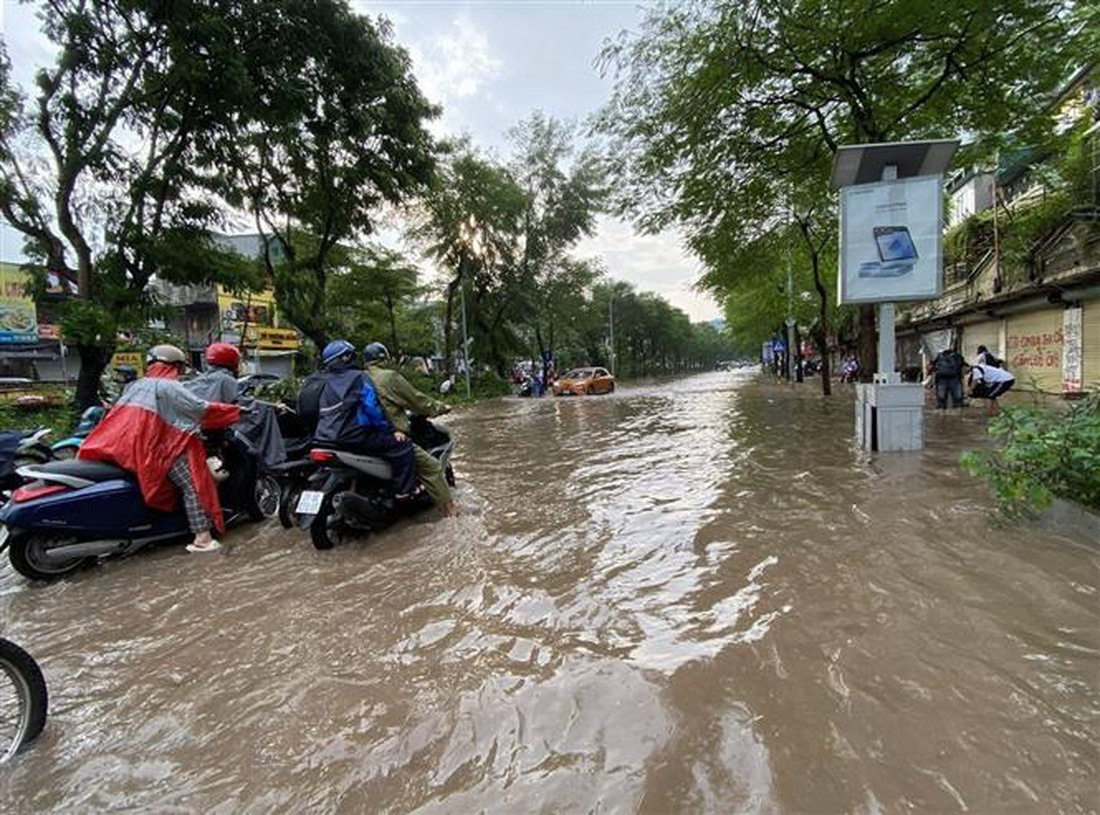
(153, 432)
(350, 417)
(398, 399)
(989, 382)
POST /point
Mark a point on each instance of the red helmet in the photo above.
(223, 355)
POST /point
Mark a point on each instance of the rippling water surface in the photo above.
(693, 596)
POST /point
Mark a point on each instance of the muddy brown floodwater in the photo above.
(690, 597)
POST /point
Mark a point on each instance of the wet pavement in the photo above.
(695, 596)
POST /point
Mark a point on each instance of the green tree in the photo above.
(727, 114)
(110, 216)
(338, 132)
(469, 224)
(564, 195)
(368, 296)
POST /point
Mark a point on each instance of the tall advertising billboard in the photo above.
(891, 240)
(18, 318)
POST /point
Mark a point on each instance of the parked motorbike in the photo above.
(23, 699)
(67, 448)
(75, 511)
(18, 448)
(350, 494)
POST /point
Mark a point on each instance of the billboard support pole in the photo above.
(887, 341)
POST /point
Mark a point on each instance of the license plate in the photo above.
(309, 503)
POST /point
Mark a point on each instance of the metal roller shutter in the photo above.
(1090, 345)
(987, 334)
(1033, 352)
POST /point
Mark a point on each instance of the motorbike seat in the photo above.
(372, 465)
(95, 471)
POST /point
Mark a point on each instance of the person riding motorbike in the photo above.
(258, 425)
(398, 397)
(112, 386)
(153, 431)
(350, 417)
(218, 383)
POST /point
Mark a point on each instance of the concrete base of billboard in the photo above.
(890, 416)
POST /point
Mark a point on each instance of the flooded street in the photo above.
(696, 596)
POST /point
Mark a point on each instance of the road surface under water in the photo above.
(693, 596)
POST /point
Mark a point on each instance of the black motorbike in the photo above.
(342, 494)
(18, 448)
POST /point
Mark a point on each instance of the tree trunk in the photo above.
(866, 345)
(826, 373)
(545, 359)
(797, 354)
(93, 362)
(538, 339)
(823, 329)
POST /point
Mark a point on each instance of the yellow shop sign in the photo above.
(134, 359)
(283, 338)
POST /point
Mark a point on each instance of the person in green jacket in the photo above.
(398, 396)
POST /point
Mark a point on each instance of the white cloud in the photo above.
(455, 63)
(657, 263)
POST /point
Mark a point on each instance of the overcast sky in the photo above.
(489, 64)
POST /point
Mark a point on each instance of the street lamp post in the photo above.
(611, 329)
(465, 339)
(470, 244)
(790, 322)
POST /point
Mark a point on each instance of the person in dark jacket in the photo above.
(947, 368)
(350, 417)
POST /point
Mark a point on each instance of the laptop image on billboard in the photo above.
(894, 244)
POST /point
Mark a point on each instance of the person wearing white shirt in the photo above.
(988, 382)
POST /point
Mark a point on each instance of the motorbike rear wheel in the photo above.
(27, 552)
(288, 500)
(327, 528)
(266, 499)
(23, 699)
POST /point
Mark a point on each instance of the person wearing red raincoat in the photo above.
(152, 431)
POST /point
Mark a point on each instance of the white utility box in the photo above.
(890, 416)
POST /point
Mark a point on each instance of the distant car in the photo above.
(250, 382)
(584, 382)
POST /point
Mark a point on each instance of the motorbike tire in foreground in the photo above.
(23, 699)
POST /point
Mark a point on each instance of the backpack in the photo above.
(947, 364)
(309, 401)
(348, 408)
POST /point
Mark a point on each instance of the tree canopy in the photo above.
(726, 115)
(154, 116)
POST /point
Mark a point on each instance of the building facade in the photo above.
(1037, 305)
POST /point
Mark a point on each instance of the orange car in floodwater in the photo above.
(584, 382)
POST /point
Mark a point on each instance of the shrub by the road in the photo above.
(1046, 453)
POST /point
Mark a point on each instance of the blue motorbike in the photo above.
(73, 512)
(67, 448)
